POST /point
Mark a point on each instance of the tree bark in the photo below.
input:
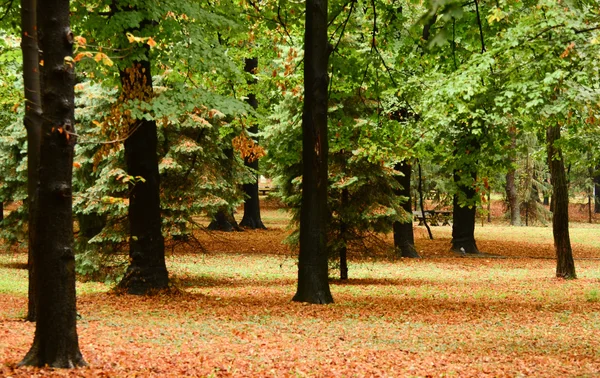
(313, 283)
(511, 188)
(404, 239)
(147, 271)
(565, 266)
(55, 342)
(33, 126)
(344, 236)
(224, 220)
(597, 190)
(463, 217)
(251, 217)
(513, 198)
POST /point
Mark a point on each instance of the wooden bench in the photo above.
(434, 217)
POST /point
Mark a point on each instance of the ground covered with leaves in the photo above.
(494, 316)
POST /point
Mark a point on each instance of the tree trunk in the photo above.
(147, 270)
(55, 342)
(463, 217)
(251, 217)
(513, 198)
(404, 239)
(344, 236)
(224, 220)
(313, 283)
(565, 266)
(33, 125)
(597, 190)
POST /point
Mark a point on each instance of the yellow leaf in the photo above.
(107, 61)
(151, 42)
(80, 40)
(98, 57)
(130, 37)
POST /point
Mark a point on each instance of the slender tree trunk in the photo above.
(313, 283)
(597, 190)
(251, 217)
(344, 236)
(565, 266)
(513, 198)
(420, 190)
(33, 125)
(147, 269)
(511, 188)
(1, 211)
(463, 227)
(55, 342)
(404, 239)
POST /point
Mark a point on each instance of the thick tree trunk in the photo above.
(463, 217)
(224, 220)
(565, 266)
(251, 217)
(313, 283)
(33, 125)
(55, 342)
(404, 239)
(147, 270)
(513, 198)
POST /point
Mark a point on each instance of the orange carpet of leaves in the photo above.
(438, 316)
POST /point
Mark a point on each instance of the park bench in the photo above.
(433, 217)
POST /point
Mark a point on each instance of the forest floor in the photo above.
(232, 314)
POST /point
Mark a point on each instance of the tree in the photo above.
(565, 266)
(251, 217)
(147, 269)
(404, 239)
(33, 125)
(55, 342)
(512, 194)
(313, 283)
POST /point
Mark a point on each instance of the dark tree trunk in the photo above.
(55, 342)
(1, 211)
(422, 202)
(463, 217)
(313, 283)
(404, 239)
(344, 236)
(251, 217)
(565, 266)
(147, 270)
(224, 220)
(597, 190)
(33, 125)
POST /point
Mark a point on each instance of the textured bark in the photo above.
(597, 190)
(513, 198)
(511, 189)
(313, 283)
(463, 217)
(404, 239)
(251, 218)
(33, 126)
(565, 266)
(224, 220)
(147, 270)
(55, 342)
